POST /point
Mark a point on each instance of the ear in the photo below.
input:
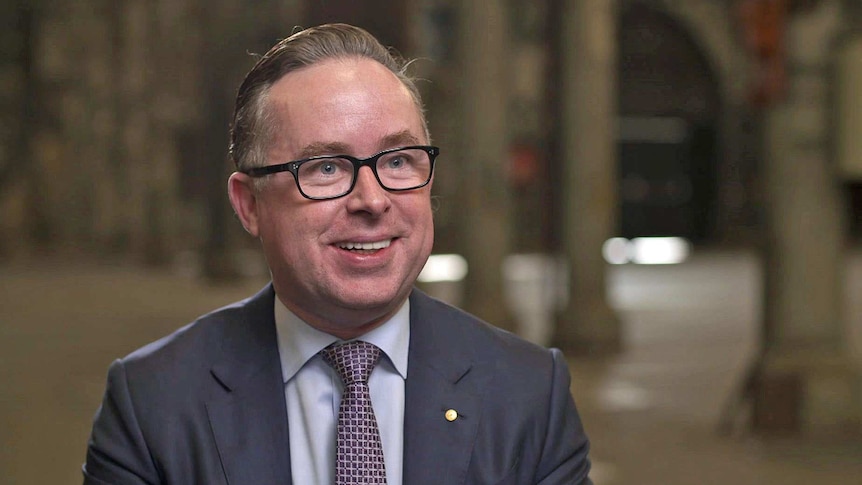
(244, 201)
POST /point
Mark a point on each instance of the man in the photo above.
(256, 394)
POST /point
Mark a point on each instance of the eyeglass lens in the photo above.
(333, 176)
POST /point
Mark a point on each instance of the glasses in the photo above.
(333, 176)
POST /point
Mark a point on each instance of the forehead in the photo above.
(357, 102)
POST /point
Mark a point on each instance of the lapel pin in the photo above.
(451, 415)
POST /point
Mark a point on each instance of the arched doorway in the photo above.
(669, 116)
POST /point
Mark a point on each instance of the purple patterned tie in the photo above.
(359, 455)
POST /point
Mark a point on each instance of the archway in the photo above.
(669, 105)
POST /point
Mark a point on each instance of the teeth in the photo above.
(365, 246)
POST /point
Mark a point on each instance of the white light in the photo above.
(624, 396)
(659, 250)
(443, 267)
(616, 250)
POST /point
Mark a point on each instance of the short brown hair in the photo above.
(252, 125)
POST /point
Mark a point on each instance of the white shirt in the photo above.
(313, 390)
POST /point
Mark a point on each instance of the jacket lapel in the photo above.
(249, 418)
(443, 374)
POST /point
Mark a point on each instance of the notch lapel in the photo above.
(443, 373)
(249, 418)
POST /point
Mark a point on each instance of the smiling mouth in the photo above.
(368, 247)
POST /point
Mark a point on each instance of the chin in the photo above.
(366, 302)
(369, 300)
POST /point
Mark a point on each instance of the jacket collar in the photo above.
(445, 372)
(249, 418)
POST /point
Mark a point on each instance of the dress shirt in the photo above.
(312, 390)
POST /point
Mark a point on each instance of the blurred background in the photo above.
(668, 190)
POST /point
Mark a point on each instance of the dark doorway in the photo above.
(669, 110)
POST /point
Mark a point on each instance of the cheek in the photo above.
(276, 228)
(424, 217)
(293, 229)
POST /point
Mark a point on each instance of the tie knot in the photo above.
(353, 361)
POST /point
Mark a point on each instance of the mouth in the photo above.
(364, 247)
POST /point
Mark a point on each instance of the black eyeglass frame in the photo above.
(370, 162)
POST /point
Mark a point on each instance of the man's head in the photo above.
(344, 264)
(252, 122)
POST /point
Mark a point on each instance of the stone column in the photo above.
(588, 54)
(483, 161)
(17, 103)
(137, 126)
(804, 381)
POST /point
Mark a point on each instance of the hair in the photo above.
(253, 123)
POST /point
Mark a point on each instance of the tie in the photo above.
(359, 454)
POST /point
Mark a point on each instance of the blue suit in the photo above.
(206, 406)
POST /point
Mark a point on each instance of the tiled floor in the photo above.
(651, 411)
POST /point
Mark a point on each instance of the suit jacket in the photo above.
(206, 405)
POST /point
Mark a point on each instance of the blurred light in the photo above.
(443, 267)
(624, 396)
(659, 250)
(646, 250)
(616, 250)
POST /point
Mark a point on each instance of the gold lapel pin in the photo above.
(451, 415)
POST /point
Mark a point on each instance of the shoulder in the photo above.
(197, 344)
(468, 335)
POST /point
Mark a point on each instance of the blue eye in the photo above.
(328, 168)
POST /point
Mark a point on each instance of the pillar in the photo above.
(805, 381)
(483, 161)
(588, 53)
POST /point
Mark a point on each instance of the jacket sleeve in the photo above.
(117, 452)
(565, 453)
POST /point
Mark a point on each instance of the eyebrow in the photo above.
(321, 148)
(401, 138)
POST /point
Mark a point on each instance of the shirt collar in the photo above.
(299, 342)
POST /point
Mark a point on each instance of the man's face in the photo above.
(353, 107)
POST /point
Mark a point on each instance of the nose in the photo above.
(367, 195)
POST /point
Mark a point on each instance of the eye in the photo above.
(327, 168)
(396, 162)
